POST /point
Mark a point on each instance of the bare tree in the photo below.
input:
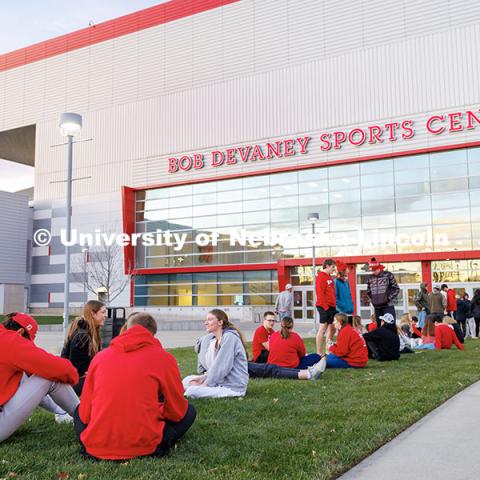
(102, 268)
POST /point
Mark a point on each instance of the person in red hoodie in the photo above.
(326, 303)
(132, 402)
(350, 351)
(445, 335)
(451, 302)
(29, 376)
(260, 345)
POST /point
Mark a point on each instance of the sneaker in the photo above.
(317, 369)
(63, 418)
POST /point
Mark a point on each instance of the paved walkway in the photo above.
(444, 445)
(52, 341)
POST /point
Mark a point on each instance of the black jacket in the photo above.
(386, 342)
(476, 306)
(463, 310)
(77, 349)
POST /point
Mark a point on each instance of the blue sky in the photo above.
(31, 21)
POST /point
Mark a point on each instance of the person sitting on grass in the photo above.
(132, 403)
(350, 351)
(445, 336)
(373, 323)
(358, 325)
(83, 339)
(383, 343)
(222, 361)
(288, 357)
(31, 377)
(415, 328)
(428, 334)
(452, 323)
(260, 345)
(407, 344)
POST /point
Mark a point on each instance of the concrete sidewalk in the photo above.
(52, 341)
(443, 445)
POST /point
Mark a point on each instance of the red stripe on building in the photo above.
(131, 23)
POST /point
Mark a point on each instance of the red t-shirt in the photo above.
(286, 352)
(325, 291)
(351, 347)
(260, 336)
(372, 326)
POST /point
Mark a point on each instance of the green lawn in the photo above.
(282, 429)
(46, 319)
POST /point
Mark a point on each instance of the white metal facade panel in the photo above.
(15, 218)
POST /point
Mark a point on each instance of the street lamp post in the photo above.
(70, 126)
(313, 219)
(85, 261)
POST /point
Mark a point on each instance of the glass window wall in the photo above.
(437, 193)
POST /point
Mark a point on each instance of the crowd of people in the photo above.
(129, 400)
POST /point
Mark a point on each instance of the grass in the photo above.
(46, 319)
(282, 429)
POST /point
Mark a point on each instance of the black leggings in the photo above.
(477, 326)
(268, 370)
(172, 431)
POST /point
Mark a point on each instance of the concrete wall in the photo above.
(12, 298)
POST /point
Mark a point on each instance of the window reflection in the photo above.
(430, 189)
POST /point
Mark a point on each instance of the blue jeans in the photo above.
(421, 319)
(309, 360)
(333, 361)
(425, 346)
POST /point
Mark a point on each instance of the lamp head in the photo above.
(70, 124)
(313, 217)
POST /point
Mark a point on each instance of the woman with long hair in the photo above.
(428, 334)
(287, 348)
(222, 361)
(351, 350)
(83, 339)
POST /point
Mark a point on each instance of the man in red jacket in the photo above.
(132, 401)
(326, 303)
(29, 376)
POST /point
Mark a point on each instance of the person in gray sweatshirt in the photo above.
(222, 361)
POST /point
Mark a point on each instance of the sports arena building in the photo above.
(248, 115)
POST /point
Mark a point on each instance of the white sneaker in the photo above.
(63, 418)
(317, 369)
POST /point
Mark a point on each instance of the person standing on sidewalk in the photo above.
(476, 311)
(422, 302)
(438, 302)
(326, 304)
(451, 296)
(342, 291)
(284, 303)
(382, 290)
(463, 312)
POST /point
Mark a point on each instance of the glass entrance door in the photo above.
(303, 303)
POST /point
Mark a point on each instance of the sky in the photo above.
(31, 21)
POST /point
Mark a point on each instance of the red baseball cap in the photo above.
(28, 323)
(341, 266)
